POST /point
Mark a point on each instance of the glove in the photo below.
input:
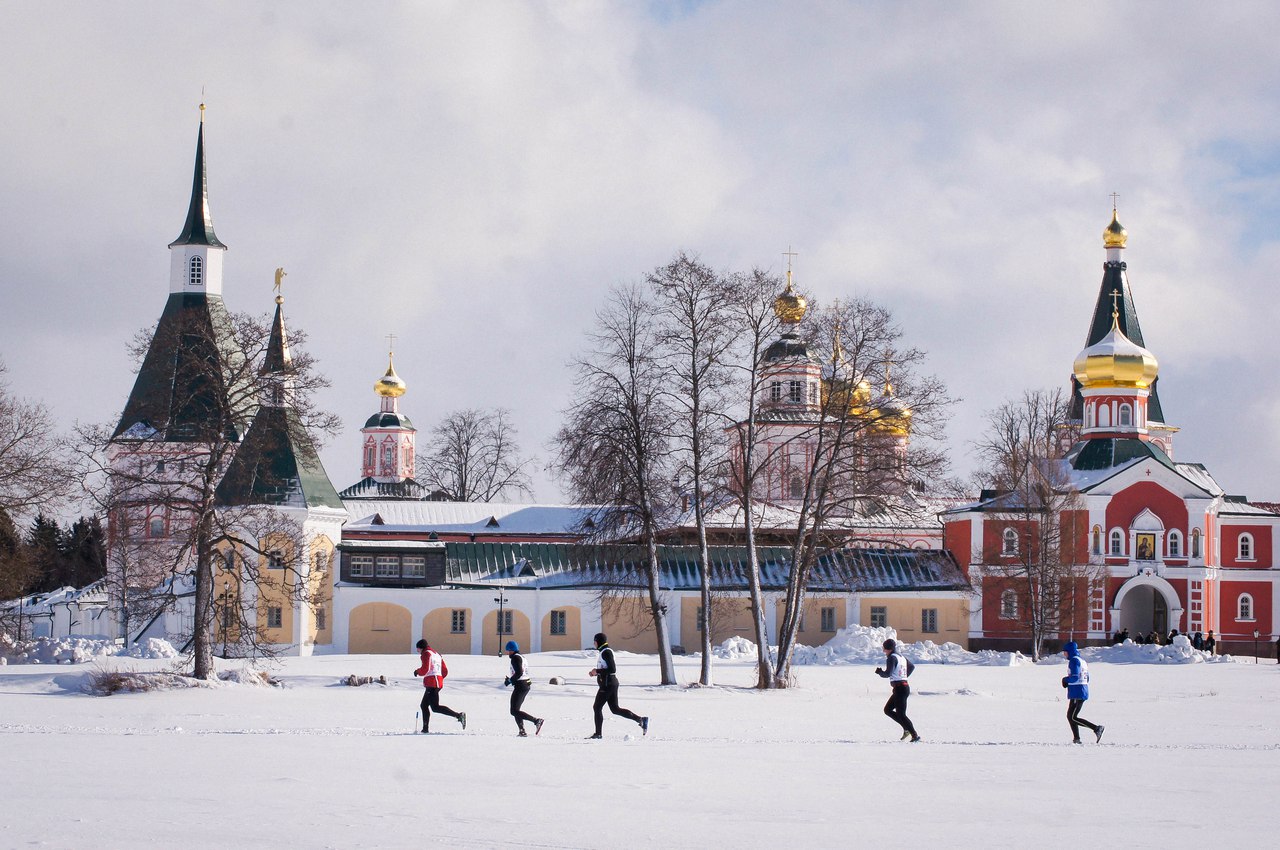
(1064, 681)
(878, 671)
(506, 681)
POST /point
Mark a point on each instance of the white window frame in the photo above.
(1009, 604)
(458, 621)
(386, 566)
(828, 619)
(275, 617)
(1245, 550)
(559, 622)
(1009, 541)
(929, 621)
(775, 391)
(795, 392)
(362, 566)
(1125, 417)
(1195, 548)
(195, 271)
(414, 566)
(879, 613)
(1174, 543)
(1115, 543)
(1244, 608)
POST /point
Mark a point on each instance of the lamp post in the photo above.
(1256, 634)
(501, 599)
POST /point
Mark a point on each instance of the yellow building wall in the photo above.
(628, 623)
(572, 637)
(323, 568)
(811, 633)
(730, 617)
(275, 590)
(491, 642)
(904, 616)
(380, 628)
(437, 628)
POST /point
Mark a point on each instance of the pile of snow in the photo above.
(1178, 652)
(76, 650)
(864, 645)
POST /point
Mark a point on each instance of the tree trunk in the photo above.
(202, 641)
(658, 608)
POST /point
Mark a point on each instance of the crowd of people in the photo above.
(1198, 640)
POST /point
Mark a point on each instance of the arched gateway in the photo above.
(1146, 603)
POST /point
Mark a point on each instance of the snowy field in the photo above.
(1191, 756)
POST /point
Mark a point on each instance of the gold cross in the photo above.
(1114, 201)
(1115, 303)
(391, 342)
(789, 254)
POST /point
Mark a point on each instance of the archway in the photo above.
(380, 628)
(1146, 604)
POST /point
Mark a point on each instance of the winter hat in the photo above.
(422, 644)
(512, 646)
(1071, 648)
(601, 640)
(890, 644)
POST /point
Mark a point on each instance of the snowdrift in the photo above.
(863, 645)
(74, 650)
(1178, 652)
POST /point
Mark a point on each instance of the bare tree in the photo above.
(1040, 561)
(473, 457)
(159, 480)
(755, 324)
(694, 336)
(862, 462)
(614, 449)
(35, 473)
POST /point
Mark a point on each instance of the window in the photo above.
(370, 456)
(1104, 416)
(361, 566)
(929, 621)
(1245, 547)
(1126, 415)
(155, 527)
(275, 560)
(226, 616)
(415, 566)
(1175, 543)
(559, 622)
(388, 566)
(813, 392)
(1195, 543)
(879, 616)
(828, 619)
(1010, 542)
(159, 466)
(1244, 607)
(702, 619)
(797, 486)
(275, 617)
(504, 622)
(195, 274)
(1117, 542)
(388, 457)
(1009, 605)
(458, 621)
(1097, 540)
(795, 391)
(775, 391)
(320, 560)
(322, 619)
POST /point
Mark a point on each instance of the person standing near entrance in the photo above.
(897, 668)
(519, 680)
(433, 672)
(1211, 644)
(1077, 684)
(606, 676)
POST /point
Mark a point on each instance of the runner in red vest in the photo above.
(433, 672)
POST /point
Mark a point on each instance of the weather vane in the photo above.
(280, 276)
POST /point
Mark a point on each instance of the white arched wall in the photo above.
(1161, 587)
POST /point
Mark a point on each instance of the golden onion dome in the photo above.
(390, 385)
(1116, 361)
(1115, 236)
(790, 306)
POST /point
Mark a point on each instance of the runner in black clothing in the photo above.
(606, 675)
(896, 671)
(518, 679)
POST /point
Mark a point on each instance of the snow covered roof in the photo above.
(546, 565)
(897, 513)
(465, 517)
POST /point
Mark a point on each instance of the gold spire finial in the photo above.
(789, 254)
(789, 307)
(202, 104)
(1115, 308)
(390, 385)
(1115, 236)
(280, 276)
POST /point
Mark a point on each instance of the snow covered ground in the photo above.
(1191, 756)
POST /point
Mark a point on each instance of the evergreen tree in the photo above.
(84, 552)
(45, 541)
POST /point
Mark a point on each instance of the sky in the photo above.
(474, 178)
